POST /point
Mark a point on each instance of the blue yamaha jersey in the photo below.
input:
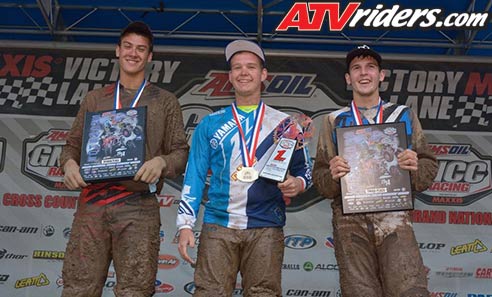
(391, 113)
(231, 203)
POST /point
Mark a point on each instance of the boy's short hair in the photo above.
(139, 28)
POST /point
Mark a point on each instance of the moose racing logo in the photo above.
(463, 176)
(40, 158)
(309, 16)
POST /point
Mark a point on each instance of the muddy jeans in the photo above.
(378, 255)
(128, 234)
(257, 253)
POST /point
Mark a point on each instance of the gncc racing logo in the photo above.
(463, 176)
(310, 16)
(3, 146)
(40, 158)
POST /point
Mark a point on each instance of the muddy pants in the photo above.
(256, 253)
(128, 234)
(378, 255)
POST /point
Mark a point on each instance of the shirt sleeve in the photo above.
(175, 147)
(195, 178)
(325, 151)
(427, 162)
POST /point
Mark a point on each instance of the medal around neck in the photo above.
(247, 174)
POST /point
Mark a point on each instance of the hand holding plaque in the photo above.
(290, 135)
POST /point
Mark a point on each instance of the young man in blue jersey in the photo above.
(244, 214)
(377, 253)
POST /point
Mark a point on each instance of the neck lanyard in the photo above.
(358, 116)
(117, 102)
(248, 153)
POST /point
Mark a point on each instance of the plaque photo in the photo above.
(375, 182)
(113, 144)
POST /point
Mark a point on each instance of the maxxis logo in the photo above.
(310, 16)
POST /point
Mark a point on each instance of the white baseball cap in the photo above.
(242, 45)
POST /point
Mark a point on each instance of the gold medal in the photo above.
(247, 174)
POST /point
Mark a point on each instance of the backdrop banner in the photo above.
(40, 93)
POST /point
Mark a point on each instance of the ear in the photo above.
(264, 74)
(149, 58)
(347, 79)
(381, 75)
(117, 51)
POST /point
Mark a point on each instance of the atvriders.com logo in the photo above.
(310, 16)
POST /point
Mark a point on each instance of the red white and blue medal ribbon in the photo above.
(358, 116)
(117, 102)
(248, 148)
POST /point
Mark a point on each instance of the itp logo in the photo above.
(310, 16)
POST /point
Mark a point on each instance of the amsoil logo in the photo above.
(310, 16)
(218, 86)
(463, 177)
(475, 247)
(40, 159)
(3, 146)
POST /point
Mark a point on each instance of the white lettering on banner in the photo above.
(88, 68)
(156, 70)
(99, 69)
(417, 81)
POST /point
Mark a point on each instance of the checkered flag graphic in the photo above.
(39, 90)
(11, 92)
(477, 111)
(30, 90)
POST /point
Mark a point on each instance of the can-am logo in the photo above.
(40, 158)
(3, 146)
(310, 16)
(463, 177)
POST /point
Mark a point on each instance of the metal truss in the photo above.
(55, 21)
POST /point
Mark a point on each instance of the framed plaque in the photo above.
(113, 144)
(375, 182)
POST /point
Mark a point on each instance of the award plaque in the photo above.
(113, 144)
(277, 165)
(375, 182)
